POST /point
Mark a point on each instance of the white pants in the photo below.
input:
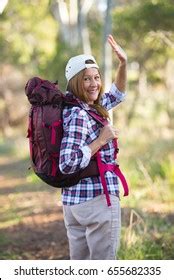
(93, 228)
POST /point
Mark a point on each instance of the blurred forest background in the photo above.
(36, 38)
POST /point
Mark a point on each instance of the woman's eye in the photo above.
(86, 79)
(97, 78)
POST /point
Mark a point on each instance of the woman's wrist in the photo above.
(96, 145)
(122, 64)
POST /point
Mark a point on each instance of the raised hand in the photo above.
(121, 55)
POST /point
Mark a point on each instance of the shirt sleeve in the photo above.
(74, 152)
(112, 98)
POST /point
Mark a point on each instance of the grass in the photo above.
(150, 237)
(148, 227)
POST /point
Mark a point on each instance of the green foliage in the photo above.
(9, 256)
(34, 44)
(28, 34)
(141, 31)
(168, 170)
(32, 178)
(56, 65)
(156, 170)
(143, 17)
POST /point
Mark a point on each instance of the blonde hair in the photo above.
(75, 85)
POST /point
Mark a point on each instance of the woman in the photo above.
(93, 228)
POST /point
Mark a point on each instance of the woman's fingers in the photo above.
(116, 131)
(117, 49)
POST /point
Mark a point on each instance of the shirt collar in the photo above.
(82, 104)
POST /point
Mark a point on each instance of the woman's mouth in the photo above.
(92, 91)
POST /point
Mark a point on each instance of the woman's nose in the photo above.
(93, 82)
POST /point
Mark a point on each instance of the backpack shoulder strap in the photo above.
(97, 117)
(71, 102)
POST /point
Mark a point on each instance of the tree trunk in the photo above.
(83, 29)
(107, 51)
(72, 19)
(67, 17)
(141, 89)
(3, 4)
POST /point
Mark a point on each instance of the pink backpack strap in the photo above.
(53, 130)
(102, 170)
(54, 159)
(115, 168)
(118, 172)
(30, 133)
(122, 179)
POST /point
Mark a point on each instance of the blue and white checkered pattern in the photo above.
(80, 129)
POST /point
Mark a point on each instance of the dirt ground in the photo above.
(40, 237)
(31, 218)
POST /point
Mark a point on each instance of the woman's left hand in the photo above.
(121, 55)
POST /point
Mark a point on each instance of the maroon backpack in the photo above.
(45, 133)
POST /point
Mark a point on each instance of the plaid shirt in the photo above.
(80, 129)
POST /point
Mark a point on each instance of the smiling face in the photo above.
(92, 84)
